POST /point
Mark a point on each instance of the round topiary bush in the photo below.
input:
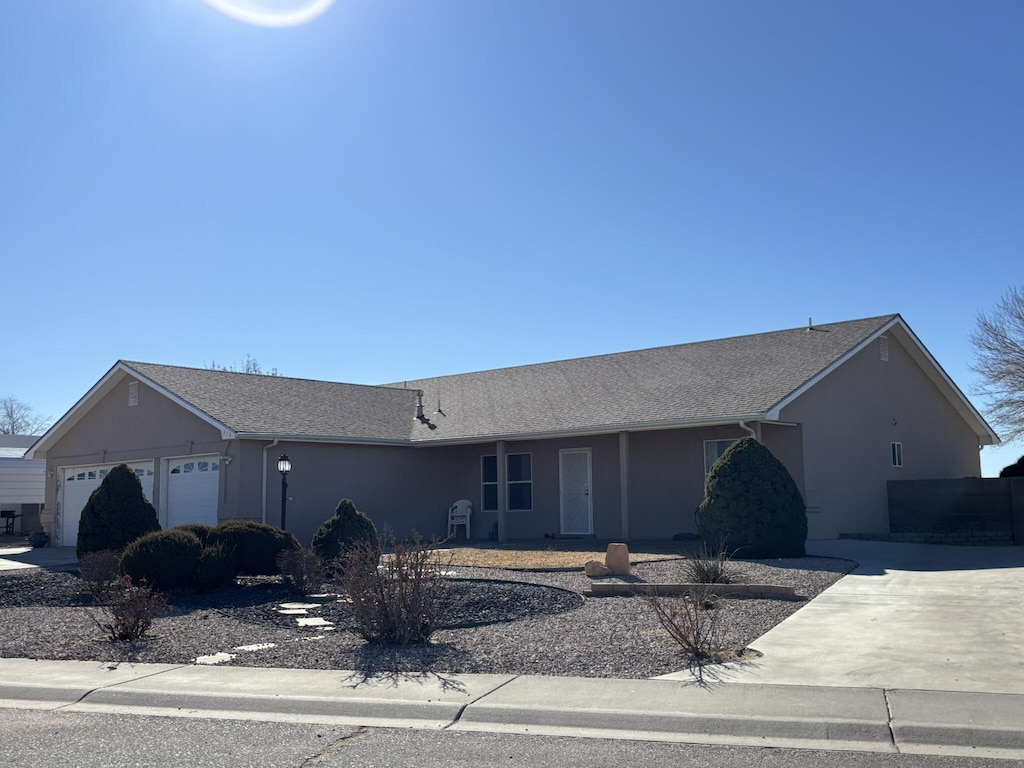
(116, 513)
(216, 569)
(162, 559)
(256, 546)
(1013, 470)
(752, 505)
(341, 532)
(201, 530)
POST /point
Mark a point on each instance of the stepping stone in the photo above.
(256, 647)
(215, 658)
(315, 621)
(293, 611)
(298, 606)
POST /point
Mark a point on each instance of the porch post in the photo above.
(624, 482)
(502, 490)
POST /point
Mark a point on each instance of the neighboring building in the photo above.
(616, 445)
(21, 484)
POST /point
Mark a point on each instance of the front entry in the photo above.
(574, 475)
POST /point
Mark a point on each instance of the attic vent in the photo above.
(883, 348)
(133, 393)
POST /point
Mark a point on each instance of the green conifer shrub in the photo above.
(338, 534)
(116, 513)
(752, 505)
(164, 560)
(201, 530)
(256, 546)
(216, 568)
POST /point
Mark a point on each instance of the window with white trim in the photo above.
(897, 454)
(518, 482)
(713, 450)
(489, 482)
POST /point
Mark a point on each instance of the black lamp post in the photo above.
(284, 466)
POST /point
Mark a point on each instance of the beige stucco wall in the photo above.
(112, 431)
(850, 418)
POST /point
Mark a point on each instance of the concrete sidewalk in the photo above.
(862, 719)
(19, 555)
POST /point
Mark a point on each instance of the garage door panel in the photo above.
(80, 482)
(193, 486)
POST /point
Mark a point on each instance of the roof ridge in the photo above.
(882, 319)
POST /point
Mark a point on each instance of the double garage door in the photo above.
(191, 491)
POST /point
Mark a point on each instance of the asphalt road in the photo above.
(65, 740)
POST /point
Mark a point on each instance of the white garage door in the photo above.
(80, 482)
(192, 486)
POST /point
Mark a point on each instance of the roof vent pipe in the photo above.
(419, 405)
(810, 324)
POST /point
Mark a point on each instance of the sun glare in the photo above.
(272, 13)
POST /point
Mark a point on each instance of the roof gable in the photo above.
(710, 382)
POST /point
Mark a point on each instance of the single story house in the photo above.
(616, 446)
(21, 485)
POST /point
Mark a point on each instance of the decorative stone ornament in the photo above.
(616, 559)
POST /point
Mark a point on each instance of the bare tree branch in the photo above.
(251, 365)
(998, 342)
(19, 418)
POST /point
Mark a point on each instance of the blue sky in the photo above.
(398, 189)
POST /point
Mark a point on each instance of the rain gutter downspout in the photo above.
(743, 425)
(265, 449)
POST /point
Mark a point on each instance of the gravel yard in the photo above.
(536, 623)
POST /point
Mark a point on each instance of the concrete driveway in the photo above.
(18, 555)
(910, 616)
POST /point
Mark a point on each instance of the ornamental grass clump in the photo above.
(303, 569)
(397, 599)
(710, 566)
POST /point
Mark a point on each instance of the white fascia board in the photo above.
(932, 369)
(918, 351)
(320, 439)
(775, 411)
(226, 433)
(604, 429)
(109, 380)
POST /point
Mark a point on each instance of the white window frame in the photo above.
(509, 483)
(708, 465)
(485, 483)
(896, 453)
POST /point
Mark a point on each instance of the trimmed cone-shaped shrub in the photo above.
(256, 546)
(201, 530)
(216, 569)
(339, 534)
(116, 513)
(164, 560)
(1014, 470)
(751, 505)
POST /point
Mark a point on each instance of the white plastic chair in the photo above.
(458, 514)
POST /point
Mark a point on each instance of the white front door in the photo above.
(192, 487)
(80, 482)
(574, 474)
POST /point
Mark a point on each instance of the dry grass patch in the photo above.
(563, 555)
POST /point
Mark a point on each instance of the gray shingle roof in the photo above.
(702, 381)
(277, 405)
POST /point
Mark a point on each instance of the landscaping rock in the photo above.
(616, 559)
(595, 569)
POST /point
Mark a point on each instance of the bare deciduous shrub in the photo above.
(100, 571)
(695, 621)
(129, 610)
(303, 569)
(710, 567)
(397, 598)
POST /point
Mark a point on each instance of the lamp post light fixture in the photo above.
(284, 466)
